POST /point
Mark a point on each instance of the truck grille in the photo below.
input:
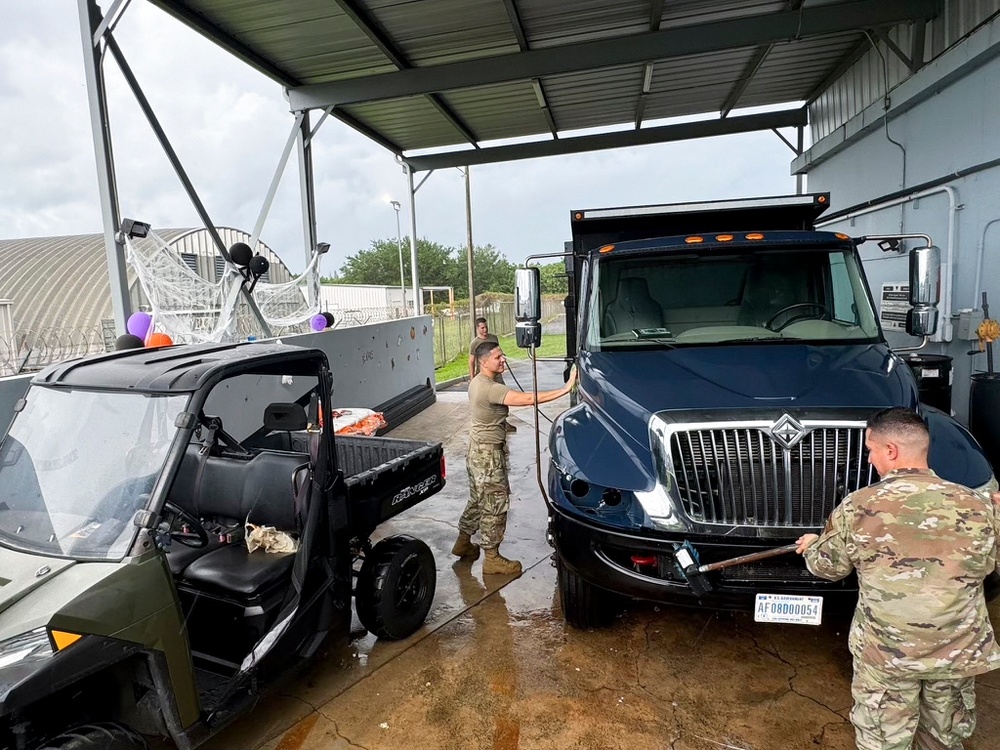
(742, 476)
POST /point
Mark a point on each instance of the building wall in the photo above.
(947, 123)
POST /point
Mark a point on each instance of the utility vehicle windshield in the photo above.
(716, 297)
(77, 465)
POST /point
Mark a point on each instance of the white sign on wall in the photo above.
(894, 304)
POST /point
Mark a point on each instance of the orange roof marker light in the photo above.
(723, 238)
(578, 215)
(694, 240)
(606, 249)
(821, 199)
(842, 236)
(755, 236)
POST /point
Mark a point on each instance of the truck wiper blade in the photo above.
(759, 338)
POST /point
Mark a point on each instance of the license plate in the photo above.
(797, 610)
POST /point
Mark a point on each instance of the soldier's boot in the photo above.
(924, 740)
(496, 564)
(465, 548)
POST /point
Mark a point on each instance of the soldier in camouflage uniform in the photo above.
(489, 487)
(921, 547)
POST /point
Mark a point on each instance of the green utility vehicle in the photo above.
(130, 605)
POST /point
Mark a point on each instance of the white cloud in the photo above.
(229, 123)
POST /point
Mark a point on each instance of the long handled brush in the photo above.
(694, 573)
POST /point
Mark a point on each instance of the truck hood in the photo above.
(627, 388)
(21, 574)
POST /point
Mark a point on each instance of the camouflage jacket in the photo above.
(922, 547)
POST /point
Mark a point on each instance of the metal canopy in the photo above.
(433, 75)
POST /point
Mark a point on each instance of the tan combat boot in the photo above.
(465, 548)
(496, 564)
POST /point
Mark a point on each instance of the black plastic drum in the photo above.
(933, 374)
(984, 415)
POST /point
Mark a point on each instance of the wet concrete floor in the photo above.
(495, 667)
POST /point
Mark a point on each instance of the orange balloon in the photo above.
(159, 339)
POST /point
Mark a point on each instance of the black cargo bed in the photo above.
(385, 476)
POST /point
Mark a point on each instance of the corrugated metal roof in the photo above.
(62, 282)
(307, 42)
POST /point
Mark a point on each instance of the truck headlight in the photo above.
(27, 646)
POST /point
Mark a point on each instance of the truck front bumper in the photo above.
(607, 559)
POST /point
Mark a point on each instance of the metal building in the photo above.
(906, 141)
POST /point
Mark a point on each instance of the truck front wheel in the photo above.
(97, 737)
(396, 587)
(585, 605)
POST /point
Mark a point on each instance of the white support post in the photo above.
(418, 302)
(90, 21)
(468, 228)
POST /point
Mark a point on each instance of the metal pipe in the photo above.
(468, 227)
(952, 193)
(980, 257)
(307, 187)
(418, 301)
(538, 439)
(399, 249)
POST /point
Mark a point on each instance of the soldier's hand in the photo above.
(804, 541)
(571, 380)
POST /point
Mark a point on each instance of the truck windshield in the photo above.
(77, 465)
(718, 297)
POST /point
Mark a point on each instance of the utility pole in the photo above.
(399, 248)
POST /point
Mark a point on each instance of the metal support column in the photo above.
(800, 178)
(90, 21)
(418, 302)
(307, 187)
(472, 250)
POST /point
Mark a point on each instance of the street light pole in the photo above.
(399, 248)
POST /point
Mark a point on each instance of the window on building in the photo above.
(190, 260)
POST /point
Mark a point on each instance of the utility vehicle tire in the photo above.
(396, 587)
(97, 737)
(585, 605)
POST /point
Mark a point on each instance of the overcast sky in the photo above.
(229, 123)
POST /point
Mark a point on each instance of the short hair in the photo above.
(903, 424)
(484, 349)
(480, 320)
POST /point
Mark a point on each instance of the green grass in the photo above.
(553, 345)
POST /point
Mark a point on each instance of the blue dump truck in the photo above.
(728, 356)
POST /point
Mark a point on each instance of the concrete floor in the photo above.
(495, 668)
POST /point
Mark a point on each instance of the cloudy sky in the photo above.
(229, 124)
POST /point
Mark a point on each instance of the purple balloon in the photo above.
(317, 323)
(138, 324)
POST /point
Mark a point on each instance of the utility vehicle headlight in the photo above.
(27, 646)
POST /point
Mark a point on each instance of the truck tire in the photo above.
(97, 737)
(585, 605)
(396, 587)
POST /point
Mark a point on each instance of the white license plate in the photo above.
(797, 610)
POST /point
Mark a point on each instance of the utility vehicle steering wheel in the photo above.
(826, 314)
(196, 538)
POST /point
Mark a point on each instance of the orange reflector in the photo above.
(694, 240)
(606, 249)
(64, 640)
(821, 199)
(578, 215)
(755, 236)
(723, 237)
(842, 236)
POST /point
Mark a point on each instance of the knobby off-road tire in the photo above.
(396, 587)
(96, 737)
(585, 605)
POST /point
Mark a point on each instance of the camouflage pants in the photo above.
(489, 494)
(897, 713)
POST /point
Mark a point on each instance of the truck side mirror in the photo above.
(527, 295)
(925, 290)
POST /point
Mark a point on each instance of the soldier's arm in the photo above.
(827, 556)
(472, 366)
(996, 528)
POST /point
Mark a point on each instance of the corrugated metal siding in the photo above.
(694, 84)
(502, 111)
(412, 123)
(550, 23)
(336, 297)
(864, 82)
(792, 70)
(597, 97)
(686, 12)
(62, 282)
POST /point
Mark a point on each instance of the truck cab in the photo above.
(728, 356)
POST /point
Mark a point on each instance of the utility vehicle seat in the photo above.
(631, 308)
(235, 571)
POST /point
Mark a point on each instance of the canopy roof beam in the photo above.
(620, 139)
(655, 17)
(381, 39)
(517, 25)
(746, 31)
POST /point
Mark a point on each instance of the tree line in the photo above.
(440, 266)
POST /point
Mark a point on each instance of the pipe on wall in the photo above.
(952, 193)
